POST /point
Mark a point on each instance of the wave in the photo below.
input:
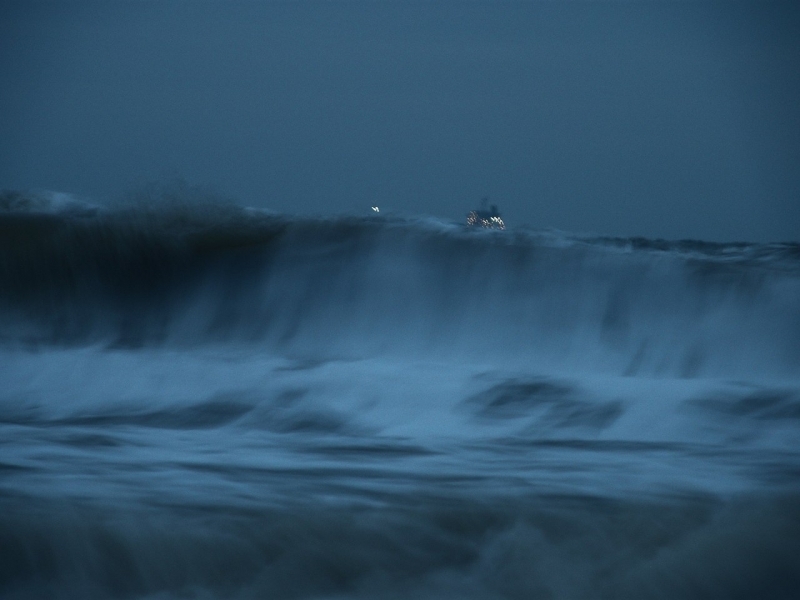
(211, 272)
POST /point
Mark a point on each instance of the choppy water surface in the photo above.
(215, 403)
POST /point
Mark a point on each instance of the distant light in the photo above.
(476, 219)
(376, 209)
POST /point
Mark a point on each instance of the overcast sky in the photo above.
(661, 119)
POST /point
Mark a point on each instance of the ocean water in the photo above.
(204, 401)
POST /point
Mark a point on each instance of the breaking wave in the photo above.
(190, 274)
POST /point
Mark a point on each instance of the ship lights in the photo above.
(490, 222)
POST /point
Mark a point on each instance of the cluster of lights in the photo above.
(475, 220)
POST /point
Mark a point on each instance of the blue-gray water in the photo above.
(200, 401)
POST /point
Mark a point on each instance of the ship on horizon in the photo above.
(485, 216)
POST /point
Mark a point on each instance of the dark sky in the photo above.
(661, 119)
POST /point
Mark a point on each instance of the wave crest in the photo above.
(189, 274)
